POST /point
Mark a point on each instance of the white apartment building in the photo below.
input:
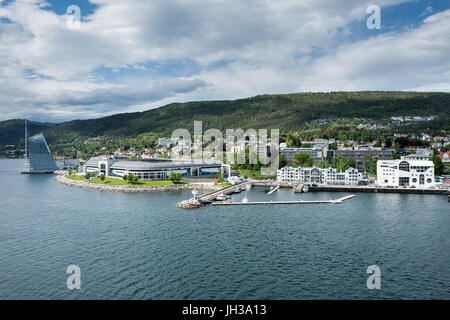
(316, 175)
(405, 173)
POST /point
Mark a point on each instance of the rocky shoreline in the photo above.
(144, 189)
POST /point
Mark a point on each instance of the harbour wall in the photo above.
(139, 189)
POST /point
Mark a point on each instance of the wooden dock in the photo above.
(336, 201)
(274, 189)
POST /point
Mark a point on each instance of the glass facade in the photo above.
(41, 159)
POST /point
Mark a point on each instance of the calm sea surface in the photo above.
(141, 246)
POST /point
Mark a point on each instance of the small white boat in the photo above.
(221, 197)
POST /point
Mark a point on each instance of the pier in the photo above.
(203, 199)
(228, 190)
(274, 189)
(336, 201)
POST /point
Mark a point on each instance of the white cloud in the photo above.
(48, 69)
(395, 61)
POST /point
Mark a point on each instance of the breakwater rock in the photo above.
(190, 204)
(143, 189)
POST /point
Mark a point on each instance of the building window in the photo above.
(414, 180)
(422, 179)
(404, 181)
(404, 166)
(429, 180)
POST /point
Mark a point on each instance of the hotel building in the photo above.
(315, 175)
(405, 173)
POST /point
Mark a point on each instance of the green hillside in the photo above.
(286, 112)
(13, 131)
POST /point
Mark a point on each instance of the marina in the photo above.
(221, 197)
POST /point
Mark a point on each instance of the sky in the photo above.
(135, 55)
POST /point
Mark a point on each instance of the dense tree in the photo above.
(438, 165)
(402, 142)
(339, 163)
(333, 146)
(323, 164)
(351, 163)
(282, 162)
(175, 177)
(304, 159)
(342, 136)
(130, 178)
(387, 142)
(370, 165)
(293, 141)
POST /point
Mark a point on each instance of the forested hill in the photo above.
(13, 131)
(286, 112)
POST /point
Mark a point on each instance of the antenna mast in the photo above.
(26, 140)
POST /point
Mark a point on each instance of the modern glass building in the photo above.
(152, 169)
(41, 160)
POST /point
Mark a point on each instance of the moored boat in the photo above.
(221, 197)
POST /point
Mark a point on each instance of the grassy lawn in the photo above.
(121, 182)
(224, 185)
(75, 177)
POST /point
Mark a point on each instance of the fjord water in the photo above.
(141, 246)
